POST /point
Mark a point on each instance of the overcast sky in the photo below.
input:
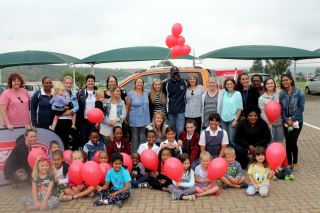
(82, 28)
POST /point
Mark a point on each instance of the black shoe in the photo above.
(119, 204)
(244, 186)
(98, 203)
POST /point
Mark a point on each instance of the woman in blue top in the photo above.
(231, 109)
(138, 113)
(292, 106)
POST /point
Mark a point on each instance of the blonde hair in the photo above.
(35, 171)
(134, 84)
(67, 78)
(163, 126)
(78, 152)
(153, 93)
(57, 87)
(29, 129)
(229, 151)
(99, 94)
(194, 76)
(204, 155)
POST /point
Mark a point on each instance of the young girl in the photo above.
(184, 190)
(158, 179)
(103, 157)
(120, 179)
(119, 143)
(150, 144)
(61, 177)
(259, 174)
(171, 143)
(205, 186)
(42, 186)
(77, 191)
(59, 103)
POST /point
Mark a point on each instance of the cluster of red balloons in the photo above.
(177, 42)
(95, 115)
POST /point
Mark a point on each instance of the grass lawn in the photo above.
(301, 85)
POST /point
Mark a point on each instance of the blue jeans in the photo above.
(176, 121)
(285, 171)
(135, 182)
(226, 125)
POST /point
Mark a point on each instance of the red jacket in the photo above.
(125, 147)
(193, 145)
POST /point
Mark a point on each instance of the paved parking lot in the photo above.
(301, 195)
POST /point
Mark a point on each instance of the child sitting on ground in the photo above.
(171, 143)
(61, 177)
(120, 179)
(234, 177)
(138, 173)
(119, 143)
(103, 157)
(150, 144)
(283, 172)
(94, 144)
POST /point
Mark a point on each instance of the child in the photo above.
(204, 186)
(189, 140)
(171, 143)
(283, 172)
(150, 144)
(138, 173)
(77, 191)
(119, 143)
(184, 190)
(61, 177)
(234, 177)
(120, 179)
(60, 103)
(259, 174)
(42, 186)
(54, 146)
(103, 157)
(158, 179)
(94, 144)
(100, 103)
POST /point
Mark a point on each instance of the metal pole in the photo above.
(92, 69)
(0, 76)
(294, 69)
(74, 79)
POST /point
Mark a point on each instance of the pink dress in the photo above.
(17, 107)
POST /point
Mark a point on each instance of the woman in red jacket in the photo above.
(189, 140)
(119, 143)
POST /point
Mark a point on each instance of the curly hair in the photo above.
(13, 77)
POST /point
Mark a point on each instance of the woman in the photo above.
(271, 94)
(138, 113)
(292, 107)
(41, 113)
(16, 168)
(211, 101)
(112, 81)
(63, 128)
(193, 100)
(251, 132)
(157, 99)
(249, 94)
(115, 112)
(231, 109)
(159, 126)
(14, 103)
(86, 99)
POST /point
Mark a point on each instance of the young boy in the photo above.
(94, 144)
(54, 146)
(120, 179)
(150, 144)
(138, 173)
(61, 177)
(234, 177)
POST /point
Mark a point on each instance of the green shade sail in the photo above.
(256, 52)
(141, 53)
(317, 51)
(34, 57)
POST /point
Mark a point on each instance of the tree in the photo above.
(317, 71)
(277, 67)
(165, 64)
(80, 77)
(257, 66)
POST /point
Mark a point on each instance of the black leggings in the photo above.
(291, 143)
(64, 129)
(159, 182)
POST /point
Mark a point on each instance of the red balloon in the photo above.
(217, 168)
(95, 115)
(96, 156)
(180, 40)
(176, 29)
(34, 154)
(176, 51)
(74, 172)
(272, 110)
(67, 156)
(104, 167)
(171, 41)
(127, 161)
(173, 169)
(186, 49)
(150, 159)
(275, 154)
(91, 173)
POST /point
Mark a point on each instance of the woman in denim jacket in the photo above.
(115, 112)
(292, 106)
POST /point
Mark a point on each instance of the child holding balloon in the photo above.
(184, 190)
(204, 186)
(103, 157)
(42, 186)
(150, 144)
(61, 177)
(171, 143)
(259, 174)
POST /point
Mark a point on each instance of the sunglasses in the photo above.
(21, 101)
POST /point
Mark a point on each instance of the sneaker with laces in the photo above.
(100, 203)
(191, 197)
(143, 185)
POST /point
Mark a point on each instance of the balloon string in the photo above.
(168, 54)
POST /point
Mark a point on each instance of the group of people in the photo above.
(176, 118)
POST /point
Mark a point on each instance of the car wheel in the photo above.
(307, 90)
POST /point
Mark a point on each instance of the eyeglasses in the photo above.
(192, 92)
(21, 101)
